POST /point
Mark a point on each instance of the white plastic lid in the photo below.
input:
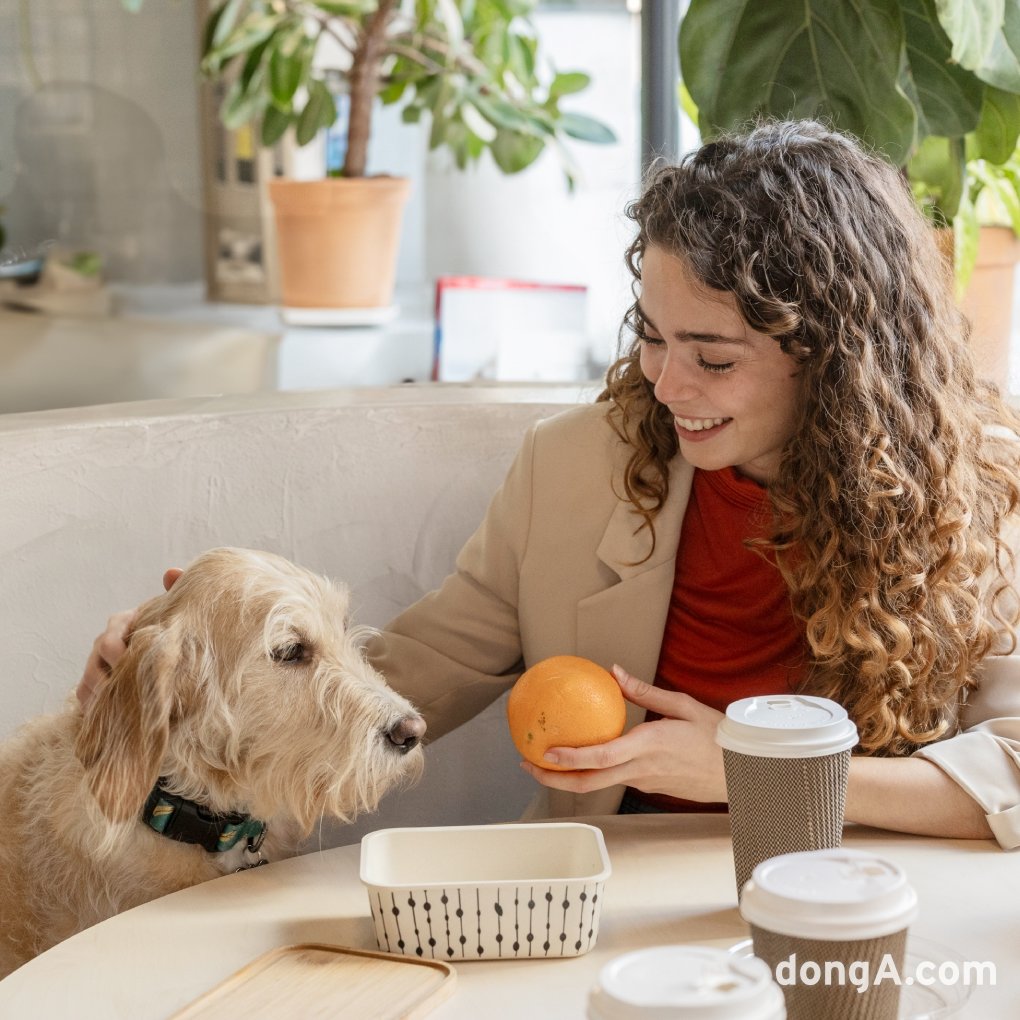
(835, 895)
(786, 726)
(685, 983)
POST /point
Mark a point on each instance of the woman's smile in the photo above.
(698, 429)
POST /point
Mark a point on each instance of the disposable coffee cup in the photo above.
(787, 759)
(832, 927)
(685, 983)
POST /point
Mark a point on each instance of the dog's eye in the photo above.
(288, 653)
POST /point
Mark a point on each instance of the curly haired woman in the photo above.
(792, 481)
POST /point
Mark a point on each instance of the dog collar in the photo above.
(188, 822)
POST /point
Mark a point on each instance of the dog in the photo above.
(242, 711)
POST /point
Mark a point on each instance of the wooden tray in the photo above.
(313, 980)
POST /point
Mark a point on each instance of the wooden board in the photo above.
(313, 980)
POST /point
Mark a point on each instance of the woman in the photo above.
(791, 481)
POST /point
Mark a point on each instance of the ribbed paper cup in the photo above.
(787, 759)
(832, 927)
(685, 983)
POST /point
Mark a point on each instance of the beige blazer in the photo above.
(558, 567)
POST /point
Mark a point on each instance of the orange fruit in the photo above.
(564, 701)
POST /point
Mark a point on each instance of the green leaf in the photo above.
(513, 152)
(567, 83)
(588, 129)
(241, 106)
(949, 97)
(285, 73)
(522, 57)
(449, 14)
(226, 18)
(319, 112)
(476, 123)
(274, 125)
(833, 59)
(687, 104)
(350, 9)
(971, 25)
(502, 113)
(392, 93)
(996, 136)
(1001, 67)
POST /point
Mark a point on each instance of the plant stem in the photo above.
(364, 81)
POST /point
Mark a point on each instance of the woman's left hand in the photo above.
(676, 755)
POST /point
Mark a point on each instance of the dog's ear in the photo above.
(126, 727)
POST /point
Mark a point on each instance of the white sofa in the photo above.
(377, 487)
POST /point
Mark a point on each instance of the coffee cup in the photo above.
(787, 760)
(685, 983)
(832, 927)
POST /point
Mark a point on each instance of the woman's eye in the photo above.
(288, 653)
(653, 341)
(714, 366)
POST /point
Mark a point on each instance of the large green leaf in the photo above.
(1002, 65)
(996, 136)
(971, 24)
(949, 97)
(835, 59)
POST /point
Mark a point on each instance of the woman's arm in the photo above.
(678, 756)
(912, 795)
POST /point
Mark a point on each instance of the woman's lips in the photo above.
(697, 430)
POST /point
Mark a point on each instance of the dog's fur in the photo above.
(199, 697)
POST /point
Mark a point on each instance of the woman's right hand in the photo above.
(111, 645)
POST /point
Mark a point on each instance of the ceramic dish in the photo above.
(486, 892)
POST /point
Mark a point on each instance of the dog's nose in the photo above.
(406, 733)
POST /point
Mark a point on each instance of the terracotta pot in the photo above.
(337, 240)
(988, 302)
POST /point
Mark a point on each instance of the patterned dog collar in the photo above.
(188, 822)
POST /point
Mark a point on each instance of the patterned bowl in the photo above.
(486, 892)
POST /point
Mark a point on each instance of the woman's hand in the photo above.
(108, 648)
(675, 755)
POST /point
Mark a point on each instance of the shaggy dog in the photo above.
(243, 698)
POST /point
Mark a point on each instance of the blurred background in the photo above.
(140, 252)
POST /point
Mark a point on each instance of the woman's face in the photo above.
(732, 391)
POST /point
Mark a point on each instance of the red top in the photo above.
(730, 632)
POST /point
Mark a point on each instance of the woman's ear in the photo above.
(126, 727)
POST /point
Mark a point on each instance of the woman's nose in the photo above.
(676, 383)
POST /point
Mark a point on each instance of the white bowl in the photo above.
(486, 892)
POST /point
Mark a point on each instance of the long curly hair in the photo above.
(891, 496)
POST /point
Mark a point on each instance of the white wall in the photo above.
(378, 488)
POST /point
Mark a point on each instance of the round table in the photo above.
(672, 882)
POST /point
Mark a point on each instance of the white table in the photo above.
(672, 882)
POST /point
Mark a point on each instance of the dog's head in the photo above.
(246, 684)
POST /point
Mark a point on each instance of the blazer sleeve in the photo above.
(984, 756)
(458, 648)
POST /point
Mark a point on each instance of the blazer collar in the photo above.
(625, 544)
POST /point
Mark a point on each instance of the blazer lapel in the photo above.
(624, 622)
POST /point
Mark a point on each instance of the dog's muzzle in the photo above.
(406, 733)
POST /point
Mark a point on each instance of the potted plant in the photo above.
(471, 65)
(932, 84)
